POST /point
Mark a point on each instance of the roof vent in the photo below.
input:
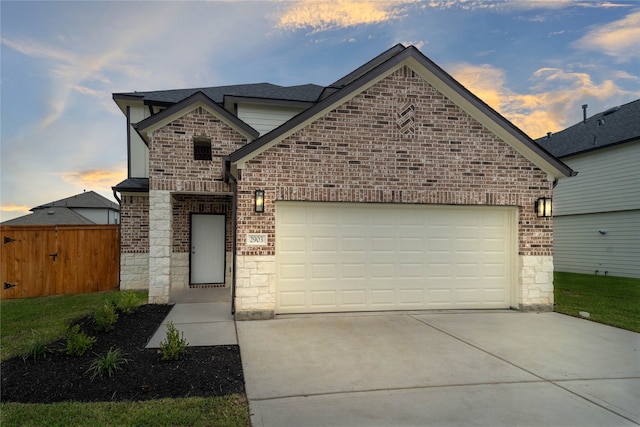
(584, 113)
(549, 135)
(610, 111)
(600, 121)
(51, 212)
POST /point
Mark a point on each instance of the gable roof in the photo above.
(300, 93)
(87, 199)
(380, 67)
(55, 215)
(188, 104)
(613, 126)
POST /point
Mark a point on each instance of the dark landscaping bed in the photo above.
(201, 371)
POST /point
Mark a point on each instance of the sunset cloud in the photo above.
(549, 105)
(321, 15)
(98, 179)
(619, 39)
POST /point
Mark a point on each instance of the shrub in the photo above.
(105, 317)
(37, 348)
(107, 364)
(174, 345)
(128, 302)
(78, 342)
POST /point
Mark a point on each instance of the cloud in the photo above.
(619, 39)
(327, 15)
(522, 5)
(550, 103)
(97, 179)
(10, 211)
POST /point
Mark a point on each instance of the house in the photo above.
(597, 213)
(394, 188)
(82, 209)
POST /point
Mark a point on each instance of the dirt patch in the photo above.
(201, 371)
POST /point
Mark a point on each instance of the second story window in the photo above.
(201, 148)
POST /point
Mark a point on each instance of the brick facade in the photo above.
(134, 222)
(401, 141)
(171, 163)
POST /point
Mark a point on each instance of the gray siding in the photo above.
(99, 216)
(265, 118)
(580, 248)
(139, 155)
(608, 180)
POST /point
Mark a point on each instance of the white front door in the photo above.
(207, 249)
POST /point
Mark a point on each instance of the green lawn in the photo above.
(48, 318)
(229, 411)
(610, 300)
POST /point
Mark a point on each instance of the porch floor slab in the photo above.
(203, 324)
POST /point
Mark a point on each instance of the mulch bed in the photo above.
(201, 371)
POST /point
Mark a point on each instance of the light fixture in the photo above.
(259, 201)
(544, 207)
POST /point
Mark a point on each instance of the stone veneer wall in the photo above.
(536, 280)
(255, 286)
(134, 271)
(159, 246)
(400, 141)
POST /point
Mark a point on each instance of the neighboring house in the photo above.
(597, 213)
(394, 188)
(85, 208)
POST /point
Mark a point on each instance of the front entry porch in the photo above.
(191, 243)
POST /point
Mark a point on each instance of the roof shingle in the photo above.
(613, 126)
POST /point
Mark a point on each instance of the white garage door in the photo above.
(368, 257)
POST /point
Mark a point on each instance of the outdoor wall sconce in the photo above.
(544, 207)
(259, 201)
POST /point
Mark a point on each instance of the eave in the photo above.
(371, 73)
(147, 126)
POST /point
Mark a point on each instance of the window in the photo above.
(201, 148)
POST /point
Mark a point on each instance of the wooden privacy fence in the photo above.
(41, 260)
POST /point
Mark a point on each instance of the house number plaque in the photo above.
(256, 239)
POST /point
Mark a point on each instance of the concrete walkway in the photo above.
(440, 369)
(202, 315)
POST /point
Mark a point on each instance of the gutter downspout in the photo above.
(234, 181)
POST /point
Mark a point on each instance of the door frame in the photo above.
(224, 250)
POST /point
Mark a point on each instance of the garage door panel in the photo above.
(324, 244)
(382, 297)
(292, 271)
(292, 244)
(354, 298)
(355, 257)
(292, 300)
(323, 298)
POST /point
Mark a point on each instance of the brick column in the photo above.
(159, 246)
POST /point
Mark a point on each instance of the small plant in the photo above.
(174, 345)
(105, 317)
(37, 348)
(78, 342)
(107, 364)
(128, 302)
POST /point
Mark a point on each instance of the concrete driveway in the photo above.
(440, 369)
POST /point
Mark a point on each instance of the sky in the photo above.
(534, 61)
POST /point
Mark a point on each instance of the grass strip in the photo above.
(225, 411)
(610, 300)
(48, 316)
